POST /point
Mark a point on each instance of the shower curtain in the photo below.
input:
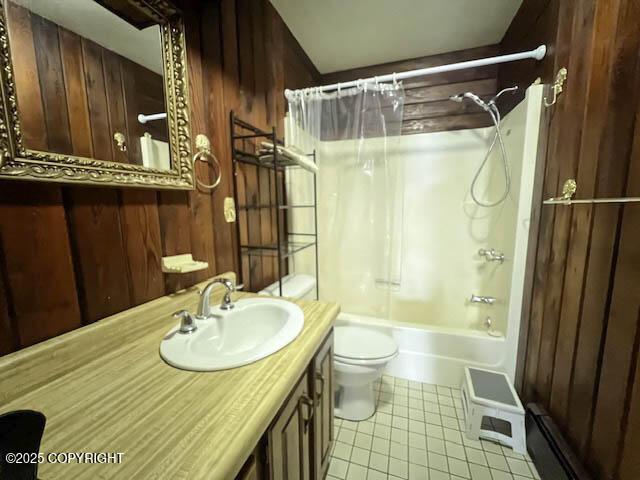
(359, 190)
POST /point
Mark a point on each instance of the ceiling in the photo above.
(92, 21)
(344, 34)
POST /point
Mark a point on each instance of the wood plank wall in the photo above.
(582, 335)
(427, 106)
(74, 94)
(71, 255)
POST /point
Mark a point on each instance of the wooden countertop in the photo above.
(104, 388)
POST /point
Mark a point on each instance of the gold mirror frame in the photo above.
(20, 163)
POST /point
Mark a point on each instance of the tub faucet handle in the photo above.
(491, 255)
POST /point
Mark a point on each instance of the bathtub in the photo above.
(432, 354)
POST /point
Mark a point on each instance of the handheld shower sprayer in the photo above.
(471, 96)
(491, 108)
(486, 106)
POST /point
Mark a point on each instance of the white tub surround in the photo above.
(418, 291)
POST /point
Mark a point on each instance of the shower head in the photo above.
(472, 96)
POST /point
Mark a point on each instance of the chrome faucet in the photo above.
(481, 299)
(491, 255)
(204, 309)
(187, 323)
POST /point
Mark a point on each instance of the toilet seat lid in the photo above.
(361, 343)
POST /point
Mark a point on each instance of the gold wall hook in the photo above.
(557, 87)
(120, 140)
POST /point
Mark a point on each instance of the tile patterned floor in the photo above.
(417, 433)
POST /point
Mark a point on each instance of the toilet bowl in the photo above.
(359, 357)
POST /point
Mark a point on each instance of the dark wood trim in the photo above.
(9, 340)
(579, 345)
(90, 252)
(425, 62)
(39, 279)
(427, 106)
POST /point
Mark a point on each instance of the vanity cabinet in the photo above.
(298, 443)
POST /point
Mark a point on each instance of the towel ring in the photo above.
(203, 147)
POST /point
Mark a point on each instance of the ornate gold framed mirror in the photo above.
(94, 92)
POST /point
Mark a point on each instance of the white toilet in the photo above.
(360, 355)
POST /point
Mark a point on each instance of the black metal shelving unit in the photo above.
(284, 248)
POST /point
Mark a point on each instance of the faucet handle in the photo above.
(491, 255)
(187, 323)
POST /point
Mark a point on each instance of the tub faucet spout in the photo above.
(482, 299)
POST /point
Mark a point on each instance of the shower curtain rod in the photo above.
(538, 54)
(142, 118)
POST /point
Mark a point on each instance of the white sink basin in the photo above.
(254, 329)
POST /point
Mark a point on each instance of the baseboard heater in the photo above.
(553, 457)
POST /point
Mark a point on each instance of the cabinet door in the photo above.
(290, 436)
(254, 467)
(322, 375)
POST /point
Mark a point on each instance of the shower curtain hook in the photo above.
(339, 86)
(395, 79)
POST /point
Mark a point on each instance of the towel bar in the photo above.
(569, 189)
